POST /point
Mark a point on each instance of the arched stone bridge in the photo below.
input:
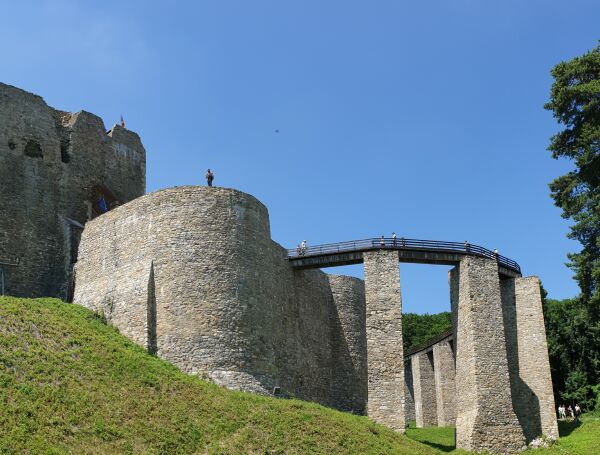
(409, 250)
(497, 349)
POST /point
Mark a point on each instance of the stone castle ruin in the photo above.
(54, 169)
(192, 274)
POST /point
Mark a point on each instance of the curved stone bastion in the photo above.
(191, 273)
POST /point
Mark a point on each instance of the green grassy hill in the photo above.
(71, 384)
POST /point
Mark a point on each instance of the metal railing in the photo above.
(401, 243)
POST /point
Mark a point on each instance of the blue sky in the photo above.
(423, 118)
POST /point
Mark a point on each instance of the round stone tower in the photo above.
(192, 274)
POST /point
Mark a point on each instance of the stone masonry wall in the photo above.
(485, 418)
(445, 387)
(349, 344)
(409, 392)
(424, 389)
(226, 303)
(384, 338)
(527, 351)
(50, 163)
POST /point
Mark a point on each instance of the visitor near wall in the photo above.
(209, 177)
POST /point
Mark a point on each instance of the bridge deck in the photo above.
(409, 250)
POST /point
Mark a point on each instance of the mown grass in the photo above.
(71, 384)
(576, 438)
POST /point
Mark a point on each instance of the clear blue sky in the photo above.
(421, 117)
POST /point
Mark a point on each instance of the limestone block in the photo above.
(384, 338)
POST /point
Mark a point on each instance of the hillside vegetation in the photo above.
(418, 329)
(71, 384)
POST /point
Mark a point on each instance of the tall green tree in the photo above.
(575, 103)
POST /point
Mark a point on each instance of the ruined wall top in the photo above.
(55, 167)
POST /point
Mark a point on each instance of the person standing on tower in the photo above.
(209, 177)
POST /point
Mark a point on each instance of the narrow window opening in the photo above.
(152, 344)
(33, 149)
(65, 157)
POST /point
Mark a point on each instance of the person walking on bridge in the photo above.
(209, 177)
(394, 238)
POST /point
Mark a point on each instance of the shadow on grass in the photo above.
(440, 447)
(566, 427)
(440, 438)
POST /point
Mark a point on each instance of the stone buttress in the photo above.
(384, 339)
(445, 387)
(424, 389)
(531, 382)
(485, 418)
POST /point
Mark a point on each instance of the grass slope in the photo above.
(71, 384)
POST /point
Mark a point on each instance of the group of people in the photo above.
(571, 412)
(395, 241)
(301, 249)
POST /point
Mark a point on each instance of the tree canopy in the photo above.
(573, 326)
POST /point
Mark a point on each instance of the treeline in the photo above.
(573, 347)
(417, 329)
(573, 326)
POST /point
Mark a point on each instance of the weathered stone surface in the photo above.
(384, 338)
(52, 163)
(527, 352)
(445, 387)
(409, 392)
(227, 303)
(424, 389)
(349, 344)
(485, 418)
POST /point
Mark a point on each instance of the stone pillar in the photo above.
(348, 344)
(485, 419)
(384, 338)
(409, 392)
(527, 351)
(424, 387)
(445, 388)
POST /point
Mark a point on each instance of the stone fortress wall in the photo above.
(53, 164)
(192, 274)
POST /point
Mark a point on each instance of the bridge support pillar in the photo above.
(409, 393)
(485, 419)
(384, 338)
(424, 389)
(527, 351)
(445, 387)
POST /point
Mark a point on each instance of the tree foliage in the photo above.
(417, 329)
(573, 326)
